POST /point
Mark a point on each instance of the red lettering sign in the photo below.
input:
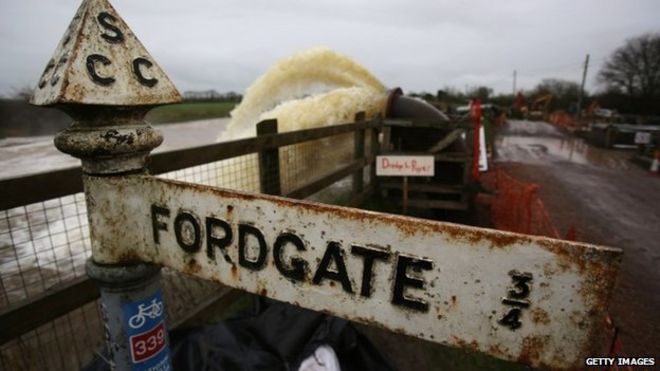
(148, 343)
(405, 166)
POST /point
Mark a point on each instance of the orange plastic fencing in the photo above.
(516, 207)
(564, 120)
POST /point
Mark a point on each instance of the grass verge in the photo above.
(189, 111)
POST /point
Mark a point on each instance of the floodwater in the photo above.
(538, 142)
(46, 243)
(28, 155)
(610, 201)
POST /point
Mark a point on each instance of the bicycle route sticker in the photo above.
(144, 321)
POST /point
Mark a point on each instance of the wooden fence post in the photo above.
(375, 150)
(269, 161)
(358, 176)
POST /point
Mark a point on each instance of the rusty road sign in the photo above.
(528, 299)
(100, 61)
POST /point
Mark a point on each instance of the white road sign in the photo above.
(642, 137)
(528, 299)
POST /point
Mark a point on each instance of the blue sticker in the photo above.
(144, 321)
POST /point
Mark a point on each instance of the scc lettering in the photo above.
(192, 234)
(112, 34)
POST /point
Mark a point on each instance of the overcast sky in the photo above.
(418, 45)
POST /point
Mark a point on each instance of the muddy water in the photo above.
(22, 156)
(610, 201)
(312, 88)
(538, 142)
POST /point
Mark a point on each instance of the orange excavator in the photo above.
(540, 109)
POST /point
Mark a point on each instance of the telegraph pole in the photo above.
(514, 83)
(584, 78)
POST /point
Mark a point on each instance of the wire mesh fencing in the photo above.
(46, 244)
(238, 173)
(304, 163)
(42, 245)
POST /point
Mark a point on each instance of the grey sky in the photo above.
(418, 45)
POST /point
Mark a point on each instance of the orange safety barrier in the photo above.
(516, 206)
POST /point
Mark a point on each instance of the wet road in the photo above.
(21, 156)
(610, 201)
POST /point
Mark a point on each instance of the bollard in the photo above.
(103, 77)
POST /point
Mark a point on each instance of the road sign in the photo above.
(528, 299)
(100, 61)
(405, 166)
(642, 137)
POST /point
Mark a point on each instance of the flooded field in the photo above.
(27, 155)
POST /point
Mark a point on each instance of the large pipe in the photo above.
(423, 139)
(418, 139)
(400, 106)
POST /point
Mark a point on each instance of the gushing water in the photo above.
(316, 87)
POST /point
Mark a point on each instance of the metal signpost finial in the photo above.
(102, 76)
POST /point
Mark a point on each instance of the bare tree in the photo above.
(634, 68)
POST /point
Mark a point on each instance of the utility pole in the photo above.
(514, 83)
(584, 79)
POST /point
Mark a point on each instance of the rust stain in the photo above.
(532, 348)
(496, 349)
(129, 257)
(539, 316)
(192, 267)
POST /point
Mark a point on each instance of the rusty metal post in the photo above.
(269, 161)
(358, 176)
(103, 77)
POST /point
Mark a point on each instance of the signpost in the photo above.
(405, 166)
(102, 76)
(521, 298)
(527, 299)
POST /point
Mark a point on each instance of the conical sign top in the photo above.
(100, 61)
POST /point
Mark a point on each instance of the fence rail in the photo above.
(214, 164)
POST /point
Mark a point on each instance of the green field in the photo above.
(189, 112)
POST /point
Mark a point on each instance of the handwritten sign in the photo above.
(405, 166)
(642, 137)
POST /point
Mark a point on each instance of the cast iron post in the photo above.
(103, 77)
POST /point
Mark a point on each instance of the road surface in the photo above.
(611, 201)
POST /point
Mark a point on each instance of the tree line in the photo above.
(629, 81)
